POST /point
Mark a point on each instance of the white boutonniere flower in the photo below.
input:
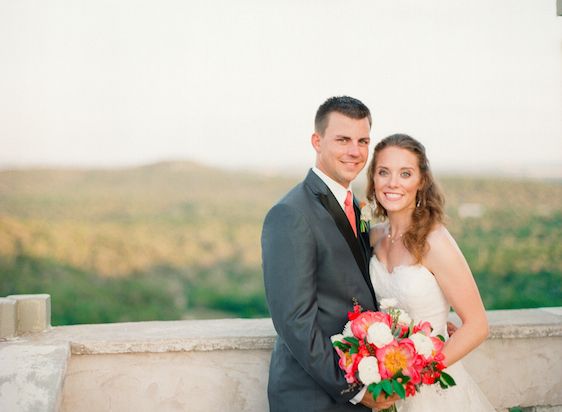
(367, 213)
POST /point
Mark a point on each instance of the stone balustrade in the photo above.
(207, 365)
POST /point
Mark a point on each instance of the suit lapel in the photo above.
(357, 245)
(362, 236)
(367, 250)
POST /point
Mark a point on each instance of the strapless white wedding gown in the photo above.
(419, 294)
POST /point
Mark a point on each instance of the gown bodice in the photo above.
(416, 290)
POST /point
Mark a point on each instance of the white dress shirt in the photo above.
(339, 192)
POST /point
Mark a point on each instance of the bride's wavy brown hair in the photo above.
(429, 196)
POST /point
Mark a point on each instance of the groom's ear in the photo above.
(315, 140)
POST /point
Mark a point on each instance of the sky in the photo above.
(236, 84)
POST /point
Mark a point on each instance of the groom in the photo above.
(315, 260)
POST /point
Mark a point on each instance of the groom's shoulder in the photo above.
(301, 195)
(298, 201)
(297, 192)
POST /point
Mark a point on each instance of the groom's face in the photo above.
(342, 150)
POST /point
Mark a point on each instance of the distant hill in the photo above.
(180, 239)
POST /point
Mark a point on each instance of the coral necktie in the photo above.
(349, 212)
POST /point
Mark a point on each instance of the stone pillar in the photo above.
(33, 312)
(7, 318)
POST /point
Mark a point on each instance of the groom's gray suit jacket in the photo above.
(313, 266)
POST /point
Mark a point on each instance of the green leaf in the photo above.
(376, 390)
(387, 387)
(405, 379)
(340, 345)
(352, 340)
(399, 389)
(364, 226)
(441, 338)
(444, 380)
(448, 379)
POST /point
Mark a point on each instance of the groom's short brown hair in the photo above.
(348, 106)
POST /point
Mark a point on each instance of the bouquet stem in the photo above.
(391, 409)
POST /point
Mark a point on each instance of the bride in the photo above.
(417, 262)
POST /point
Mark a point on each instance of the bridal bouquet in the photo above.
(388, 353)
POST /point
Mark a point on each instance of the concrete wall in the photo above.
(223, 365)
(230, 380)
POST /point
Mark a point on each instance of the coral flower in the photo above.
(424, 327)
(397, 357)
(362, 322)
(348, 363)
(437, 354)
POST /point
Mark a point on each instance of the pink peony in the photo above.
(361, 323)
(348, 363)
(397, 357)
(437, 343)
(424, 327)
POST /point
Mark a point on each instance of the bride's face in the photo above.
(397, 179)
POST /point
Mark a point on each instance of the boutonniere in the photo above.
(367, 214)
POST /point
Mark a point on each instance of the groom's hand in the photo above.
(451, 328)
(382, 402)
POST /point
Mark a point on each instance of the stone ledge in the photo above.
(166, 336)
(249, 334)
(173, 345)
(523, 323)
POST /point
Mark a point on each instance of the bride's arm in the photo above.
(447, 263)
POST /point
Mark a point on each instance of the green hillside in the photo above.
(180, 240)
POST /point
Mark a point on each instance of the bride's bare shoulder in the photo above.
(441, 244)
(377, 233)
(440, 237)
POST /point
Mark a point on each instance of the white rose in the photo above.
(422, 343)
(404, 318)
(347, 330)
(388, 303)
(368, 369)
(379, 334)
(337, 338)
